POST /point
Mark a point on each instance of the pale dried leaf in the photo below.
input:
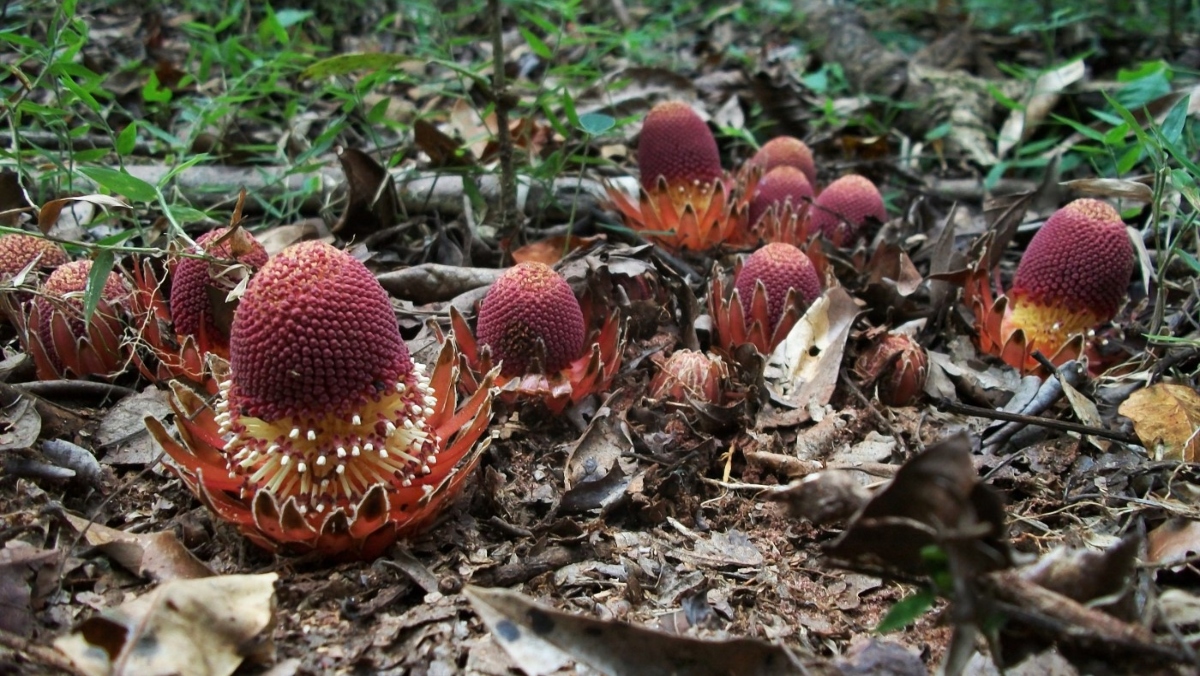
(159, 556)
(805, 366)
(1166, 417)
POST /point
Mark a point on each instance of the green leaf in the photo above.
(1172, 126)
(906, 611)
(378, 112)
(153, 92)
(95, 284)
(535, 44)
(290, 17)
(127, 139)
(350, 63)
(596, 123)
(121, 183)
(184, 214)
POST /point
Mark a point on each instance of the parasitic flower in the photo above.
(896, 367)
(785, 151)
(691, 375)
(533, 326)
(686, 200)
(57, 336)
(325, 434)
(779, 211)
(843, 207)
(1071, 279)
(19, 255)
(771, 291)
(180, 332)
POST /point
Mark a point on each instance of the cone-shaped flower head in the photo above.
(323, 401)
(786, 151)
(191, 304)
(18, 251)
(841, 210)
(780, 268)
(690, 374)
(530, 313)
(783, 187)
(677, 145)
(70, 344)
(1072, 277)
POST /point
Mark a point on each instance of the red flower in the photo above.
(896, 367)
(55, 334)
(685, 200)
(771, 291)
(532, 325)
(1072, 278)
(326, 436)
(23, 254)
(779, 211)
(843, 207)
(181, 333)
(785, 151)
(688, 374)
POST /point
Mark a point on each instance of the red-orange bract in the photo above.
(779, 211)
(771, 291)
(686, 200)
(1071, 279)
(895, 367)
(690, 375)
(325, 436)
(532, 323)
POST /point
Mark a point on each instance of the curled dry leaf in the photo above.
(187, 627)
(542, 640)
(1166, 417)
(1173, 542)
(158, 556)
(804, 368)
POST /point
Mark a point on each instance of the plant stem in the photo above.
(509, 218)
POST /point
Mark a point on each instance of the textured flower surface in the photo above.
(779, 211)
(325, 435)
(61, 342)
(685, 201)
(531, 323)
(192, 278)
(896, 367)
(691, 375)
(786, 151)
(180, 333)
(531, 315)
(1071, 279)
(21, 255)
(18, 252)
(771, 291)
(843, 207)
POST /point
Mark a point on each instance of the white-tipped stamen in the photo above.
(320, 461)
(356, 420)
(295, 433)
(284, 460)
(312, 435)
(341, 452)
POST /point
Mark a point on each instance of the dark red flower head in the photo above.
(780, 267)
(191, 306)
(528, 307)
(678, 146)
(786, 151)
(779, 187)
(18, 251)
(842, 209)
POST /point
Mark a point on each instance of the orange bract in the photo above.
(1071, 280)
(325, 436)
(896, 367)
(780, 209)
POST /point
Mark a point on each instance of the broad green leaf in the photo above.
(1172, 126)
(906, 611)
(101, 266)
(184, 214)
(290, 17)
(596, 123)
(350, 63)
(127, 139)
(121, 183)
(153, 92)
(378, 112)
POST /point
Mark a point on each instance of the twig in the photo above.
(509, 218)
(979, 412)
(40, 654)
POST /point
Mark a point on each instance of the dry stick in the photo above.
(980, 412)
(510, 219)
(40, 654)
